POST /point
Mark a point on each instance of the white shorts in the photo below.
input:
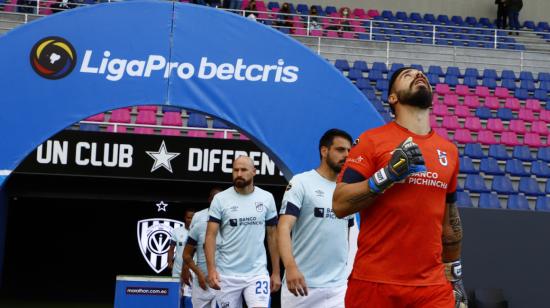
(201, 298)
(256, 291)
(316, 298)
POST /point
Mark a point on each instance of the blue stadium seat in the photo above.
(443, 19)
(502, 185)
(490, 166)
(457, 20)
(451, 80)
(466, 165)
(470, 81)
(474, 183)
(415, 17)
(433, 79)
(473, 150)
(302, 8)
(484, 113)
(508, 74)
(401, 16)
(488, 201)
(453, 70)
(543, 76)
(526, 75)
(363, 84)
(411, 40)
(197, 120)
(523, 153)
(514, 167)
(272, 5)
(380, 66)
(489, 73)
(384, 96)
(521, 94)
(219, 124)
(417, 67)
(529, 24)
(382, 84)
(370, 94)
(485, 21)
(341, 64)
(429, 18)
(541, 95)
(89, 127)
(505, 114)
(375, 75)
(509, 84)
(284, 30)
(330, 9)
(378, 105)
(498, 151)
(387, 15)
(170, 109)
(471, 72)
(544, 85)
(436, 69)
(529, 187)
(361, 66)
(470, 20)
(386, 116)
(543, 204)
(540, 169)
(517, 202)
(489, 82)
(463, 199)
(354, 74)
(544, 154)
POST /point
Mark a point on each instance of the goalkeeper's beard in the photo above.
(421, 98)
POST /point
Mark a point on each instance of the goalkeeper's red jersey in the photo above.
(400, 233)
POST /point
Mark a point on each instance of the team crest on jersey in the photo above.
(356, 142)
(442, 158)
(153, 237)
(259, 206)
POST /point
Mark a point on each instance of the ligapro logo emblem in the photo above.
(53, 57)
(153, 237)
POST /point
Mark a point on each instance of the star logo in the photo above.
(161, 206)
(162, 158)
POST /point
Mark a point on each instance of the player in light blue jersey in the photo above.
(237, 266)
(201, 295)
(175, 256)
(315, 258)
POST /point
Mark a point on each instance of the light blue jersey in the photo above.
(319, 238)
(242, 219)
(196, 236)
(179, 237)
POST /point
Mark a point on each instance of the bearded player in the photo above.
(402, 179)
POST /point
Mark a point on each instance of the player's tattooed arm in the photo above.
(452, 233)
(351, 198)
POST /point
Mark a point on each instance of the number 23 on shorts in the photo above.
(261, 287)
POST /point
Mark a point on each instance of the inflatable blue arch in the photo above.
(63, 68)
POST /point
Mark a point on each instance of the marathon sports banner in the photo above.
(147, 156)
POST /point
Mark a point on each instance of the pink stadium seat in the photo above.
(544, 115)
(462, 90)
(539, 127)
(463, 135)
(144, 131)
(473, 124)
(509, 139)
(450, 99)
(526, 115)
(359, 12)
(471, 101)
(100, 117)
(172, 118)
(299, 31)
(502, 92)
(146, 117)
(440, 110)
(532, 140)
(495, 125)
(332, 34)
(482, 91)
(517, 126)
(120, 116)
(45, 7)
(170, 132)
(532, 104)
(436, 99)
(147, 107)
(450, 122)
(491, 102)
(486, 137)
(512, 103)
(373, 13)
(243, 137)
(462, 111)
(316, 32)
(442, 88)
(433, 120)
(348, 35)
(359, 29)
(442, 132)
(197, 133)
(119, 129)
(10, 6)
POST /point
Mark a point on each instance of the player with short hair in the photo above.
(316, 256)
(238, 265)
(402, 179)
(175, 256)
(201, 295)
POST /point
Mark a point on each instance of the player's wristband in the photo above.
(380, 181)
(453, 270)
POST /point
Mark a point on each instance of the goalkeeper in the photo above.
(402, 179)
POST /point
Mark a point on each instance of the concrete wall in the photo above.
(532, 9)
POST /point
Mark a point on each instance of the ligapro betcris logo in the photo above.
(55, 58)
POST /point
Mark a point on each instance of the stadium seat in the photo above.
(170, 132)
(170, 109)
(470, 81)
(172, 118)
(505, 114)
(197, 134)
(463, 199)
(502, 185)
(375, 75)
(482, 91)
(197, 120)
(490, 166)
(528, 85)
(361, 65)
(490, 83)
(453, 70)
(522, 94)
(100, 117)
(522, 153)
(498, 151)
(483, 113)
(486, 137)
(526, 115)
(540, 169)
(147, 108)
(501, 92)
(440, 110)
(463, 135)
(462, 111)
(436, 69)
(363, 84)
(144, 131)
(473, 150)
(471, 101)
(120, 116)
(544, 154)
(532, 140)
(462, 90)
(544, 115)
(473, 124)
(474, 183)
(526, 75)
(451, 80)
(495, 125)
(529, 187)
(490, 73)
(539, 127)
(517, 126)
(541, 95)
(382, 84)
(442, 88)
(342, 64)
(450, 99)
(89, 127)
(508, 74)
(354, 74)
(543, 204)
(219, 124)
(509, 139)
(379, 66)
(450, 122)
(506, 84)
(466, 165)
(517, 202)
(492, 102)
(533, 104)
(515, 167)
(512, 103)
(488, 201)
(146, 117)
(433, 78)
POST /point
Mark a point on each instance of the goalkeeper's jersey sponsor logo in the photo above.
(427, 178)
(442, 158)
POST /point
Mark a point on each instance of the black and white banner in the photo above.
(146, 157)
